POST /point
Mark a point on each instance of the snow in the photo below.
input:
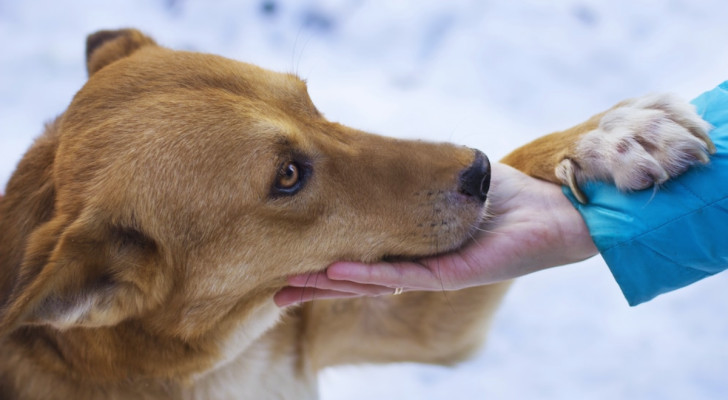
(488, 74)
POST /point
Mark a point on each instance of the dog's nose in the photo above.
(475, 180)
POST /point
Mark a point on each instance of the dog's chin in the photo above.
(434, 252)
(470, 234)
(454, 243)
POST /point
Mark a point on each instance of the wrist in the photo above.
(576, 241)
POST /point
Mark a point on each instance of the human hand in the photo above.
(533, 227)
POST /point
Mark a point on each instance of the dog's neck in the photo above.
(85, 363)
(131, 362)
(116, 353)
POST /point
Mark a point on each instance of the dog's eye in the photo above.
(289, 178)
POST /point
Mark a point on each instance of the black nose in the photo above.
(475, 180)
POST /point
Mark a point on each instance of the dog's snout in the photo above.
(475, 180)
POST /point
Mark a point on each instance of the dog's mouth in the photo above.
(470, 234)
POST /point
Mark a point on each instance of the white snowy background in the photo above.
(488, 74)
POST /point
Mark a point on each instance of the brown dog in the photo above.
(144, 234)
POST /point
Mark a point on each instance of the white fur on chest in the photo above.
(250, 369)
(260, 320)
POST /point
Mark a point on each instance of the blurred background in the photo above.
(488, 74)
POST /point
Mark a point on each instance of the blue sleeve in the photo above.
(658, 241)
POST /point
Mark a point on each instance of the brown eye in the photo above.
(288, 176)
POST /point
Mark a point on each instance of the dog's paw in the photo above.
(639, 143)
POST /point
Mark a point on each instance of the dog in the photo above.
(144, 234)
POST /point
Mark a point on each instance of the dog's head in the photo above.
(189, 186)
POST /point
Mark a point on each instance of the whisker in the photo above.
(479, 229)
(296, 55)
(315, 284)
(305, 286)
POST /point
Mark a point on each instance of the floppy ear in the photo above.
(105, 47)
(85, 274)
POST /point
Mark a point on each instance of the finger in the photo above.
(321, 281)
(294, 295)
(307, 280)
(411, 275)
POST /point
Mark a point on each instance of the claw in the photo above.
(580, 196)
(711, 146)
(702, 134)
(566, 171)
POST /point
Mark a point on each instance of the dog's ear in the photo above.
(105, 47)
(85, 274)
